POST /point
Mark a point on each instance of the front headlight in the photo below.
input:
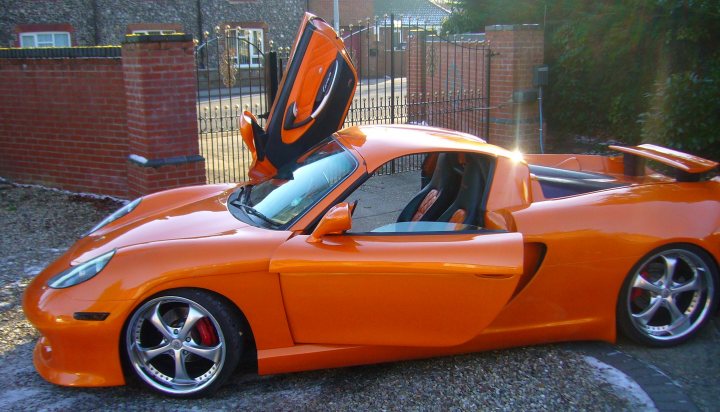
(116, 215)
(80, 273)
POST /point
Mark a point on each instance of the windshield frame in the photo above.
(242, 194)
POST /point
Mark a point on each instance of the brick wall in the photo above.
(101, 121)
(64, 123)
(161, 92)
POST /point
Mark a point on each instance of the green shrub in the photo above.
(606, 58)
(685, 114)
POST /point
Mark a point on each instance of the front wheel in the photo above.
(668, 296)
(184, 343)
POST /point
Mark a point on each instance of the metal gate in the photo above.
(408, 74)
(234, 74)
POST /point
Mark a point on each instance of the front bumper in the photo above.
(74, 352)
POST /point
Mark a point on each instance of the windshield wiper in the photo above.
(254, 212)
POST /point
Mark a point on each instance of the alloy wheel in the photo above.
(176, 345)
(670, 295)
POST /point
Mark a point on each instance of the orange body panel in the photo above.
(510, 190)
(397, 290)
(326, 42)
(258, 169)
(322, 48)
(587, 163)
(220, 261)
(552, 271)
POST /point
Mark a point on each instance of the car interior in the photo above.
(455, 192)
(556, 182)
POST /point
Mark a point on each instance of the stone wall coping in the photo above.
(157, 38)
(155, 163)
(60, 52)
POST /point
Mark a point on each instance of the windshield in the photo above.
(299, 185)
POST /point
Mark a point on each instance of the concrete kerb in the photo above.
(664, 392)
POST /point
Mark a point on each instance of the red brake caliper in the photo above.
(205, 328)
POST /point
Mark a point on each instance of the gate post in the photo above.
(417, 75)
(160, 88)
(272, 77)
(514, 118)
(392, 71)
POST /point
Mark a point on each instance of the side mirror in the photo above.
(336, 221)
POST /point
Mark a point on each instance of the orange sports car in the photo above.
(324, 260)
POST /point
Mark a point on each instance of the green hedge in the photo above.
(685, 114)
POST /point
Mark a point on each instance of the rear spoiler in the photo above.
(688, 168)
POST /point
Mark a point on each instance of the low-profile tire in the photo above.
(668, 296)
(183, 343)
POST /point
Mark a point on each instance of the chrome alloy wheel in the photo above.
(670, 296)
(175, 345)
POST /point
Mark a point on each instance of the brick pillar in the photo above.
(160, 87)
(417, 75)
(514, 117)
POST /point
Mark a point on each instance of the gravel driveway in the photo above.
(37, 225)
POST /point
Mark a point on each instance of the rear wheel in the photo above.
(668, 296)
(183, 343)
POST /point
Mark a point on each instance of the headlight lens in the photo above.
(116, 215)
(80, 273)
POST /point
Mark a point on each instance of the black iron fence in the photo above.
(233, 75)
(411, 74)
(408, 74)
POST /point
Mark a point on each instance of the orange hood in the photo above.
(185, 213)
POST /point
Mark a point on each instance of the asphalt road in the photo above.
(694, 366)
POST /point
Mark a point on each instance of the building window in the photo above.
(45, 39)
(249, 45)
(146, 28)
(153, 32)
